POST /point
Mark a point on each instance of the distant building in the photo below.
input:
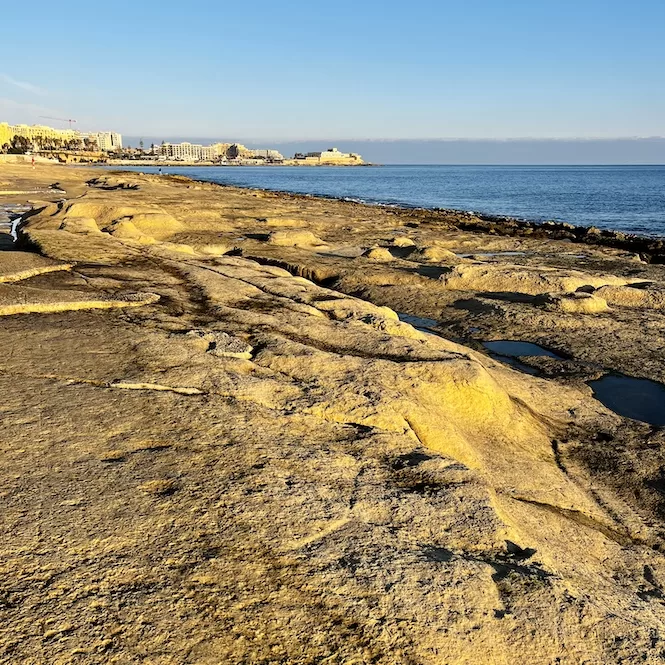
(180, 151)
(271, 155)
(35, 133)
(331, 156)
(191, 152)
(237, 151)
(43, 137)
(6, 134)
(195, 152)
(220, 150)
(109, 141)
(106, 141)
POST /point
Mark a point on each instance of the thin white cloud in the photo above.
(24, 85)
(24, 108)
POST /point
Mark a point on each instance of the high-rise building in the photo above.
(106, 141)
(109, 141)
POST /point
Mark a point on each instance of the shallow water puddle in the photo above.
(9, 211)
(639, 399)
(418, 322)
(10, 217)
(514, 349)
(508, 352)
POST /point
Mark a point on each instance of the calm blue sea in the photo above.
(628, 198)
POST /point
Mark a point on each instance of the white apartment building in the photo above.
(182, 151)
(108, 141)
(191, 152)
(195, 152)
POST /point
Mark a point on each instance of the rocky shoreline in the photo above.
(650, 248)
(255, 427)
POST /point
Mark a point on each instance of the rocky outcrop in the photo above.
(572, 303)
(128, 221)
(523, 279)
(378, 254)
(403, 241)
(435, 254)
(298, 238)
(641, 295)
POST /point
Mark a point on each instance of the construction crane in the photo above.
(69, 120)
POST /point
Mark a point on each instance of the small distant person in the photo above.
(33, 162)
(160, 170)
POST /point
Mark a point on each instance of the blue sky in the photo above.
(338, 69)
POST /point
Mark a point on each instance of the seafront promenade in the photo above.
(243, 426)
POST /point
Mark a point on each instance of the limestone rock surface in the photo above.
(576, 302)
(647, 296)
(297, 238)
(435, 254)
(252, 466)
(379, 254)
(523, 279)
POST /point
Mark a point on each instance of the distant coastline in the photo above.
(235, 164)
(518, 151)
